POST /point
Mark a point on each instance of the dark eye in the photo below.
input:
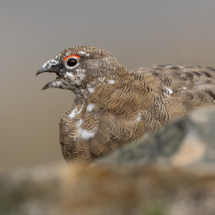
(72, 62)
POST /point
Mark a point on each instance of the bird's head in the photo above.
(80, 66)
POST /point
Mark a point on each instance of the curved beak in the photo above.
(42, 70)
(51, 70)
(52, 65)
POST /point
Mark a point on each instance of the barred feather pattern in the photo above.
(122, 106)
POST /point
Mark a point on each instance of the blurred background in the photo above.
(139, 33)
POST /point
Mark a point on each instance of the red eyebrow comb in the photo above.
(75, 56)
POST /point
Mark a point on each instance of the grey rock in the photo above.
(189, 141)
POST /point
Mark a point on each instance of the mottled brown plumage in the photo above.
(114, 106)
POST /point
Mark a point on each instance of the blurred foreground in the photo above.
(171, 172)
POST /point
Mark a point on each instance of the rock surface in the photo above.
(185, 142)
(171, 172)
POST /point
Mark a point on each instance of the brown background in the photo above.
(137, 32)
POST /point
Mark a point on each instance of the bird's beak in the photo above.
(53, 69)
(48, 85)
(42, 70)
(51, 66)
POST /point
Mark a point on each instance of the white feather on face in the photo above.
(54, 61)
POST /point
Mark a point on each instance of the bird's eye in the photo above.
(71, 60)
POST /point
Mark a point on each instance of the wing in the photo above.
(191, 87)
(148, 98)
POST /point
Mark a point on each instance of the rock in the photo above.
(189, 141)
(169, 173)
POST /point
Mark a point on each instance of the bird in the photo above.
(114, 106)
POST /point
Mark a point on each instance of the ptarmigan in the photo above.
(114, 106)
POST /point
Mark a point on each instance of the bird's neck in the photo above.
(91, 84)
(97, 92)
